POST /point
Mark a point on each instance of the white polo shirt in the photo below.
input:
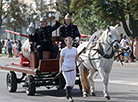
(69, 58)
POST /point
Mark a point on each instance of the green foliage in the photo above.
(108, 12)
(64, 8)
(41, 7)
(15, 14)
(80, 4)
(133, 8)
(88, 21)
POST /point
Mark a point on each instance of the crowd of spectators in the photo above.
(10, 47)
(130, 55)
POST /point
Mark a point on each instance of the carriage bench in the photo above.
(46, 64)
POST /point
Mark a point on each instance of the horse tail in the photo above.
(86, 82)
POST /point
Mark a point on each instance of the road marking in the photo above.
(111, 81)
(122, 82)
(5, 71)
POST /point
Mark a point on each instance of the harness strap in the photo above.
(105, 55)
(70, 70)
(100, 51)
(90, 58)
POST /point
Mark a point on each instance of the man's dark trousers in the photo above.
(53, 48)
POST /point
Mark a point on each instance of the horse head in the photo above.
(111, 37)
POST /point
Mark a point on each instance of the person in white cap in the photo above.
(42, 36)
(69, 29)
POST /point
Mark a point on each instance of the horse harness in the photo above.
(99, 51)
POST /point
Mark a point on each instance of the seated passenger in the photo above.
(42, 36)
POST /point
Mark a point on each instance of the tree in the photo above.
(64, 7)
(113, 12)
(16, 14)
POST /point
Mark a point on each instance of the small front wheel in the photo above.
(11, 81)
(30, 85)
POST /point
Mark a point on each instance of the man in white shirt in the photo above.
(123, 44)
(123, 41)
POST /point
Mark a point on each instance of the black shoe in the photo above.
(70, 99)
(122, 60)
(68, 93)
(132, 61)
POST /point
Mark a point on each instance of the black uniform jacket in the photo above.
(71, 30)
(42, 36)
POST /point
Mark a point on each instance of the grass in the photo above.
(3, 54)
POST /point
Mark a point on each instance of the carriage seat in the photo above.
(46, 54)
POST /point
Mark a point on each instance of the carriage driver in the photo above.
(42, 37)
(67, 30)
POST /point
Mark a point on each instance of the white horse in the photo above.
(99, 58)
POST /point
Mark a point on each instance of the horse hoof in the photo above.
(93, 94)
(107, 97)
(85, 95)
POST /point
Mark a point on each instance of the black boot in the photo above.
(68, 94)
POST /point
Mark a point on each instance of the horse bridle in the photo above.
(111, 44)
(100, 50)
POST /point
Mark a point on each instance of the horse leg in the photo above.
(104, 77)
(106, 95)
(81, 70)
(90, 78)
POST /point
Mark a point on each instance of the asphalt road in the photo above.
(123, 87)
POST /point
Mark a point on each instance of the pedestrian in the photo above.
(20, 46)
(42, 36)
(123, 44)
(135, 46)
(68, 57)
(131, 44)
(9, 47)
(5, 47)
(127, 53)
(12, 41)
(0, 47)
(69, 29)
(15, 48)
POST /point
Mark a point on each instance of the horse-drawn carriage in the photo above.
(95, 58)
(35, 73)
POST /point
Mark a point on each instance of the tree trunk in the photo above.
(133, 26)
(125, 26)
